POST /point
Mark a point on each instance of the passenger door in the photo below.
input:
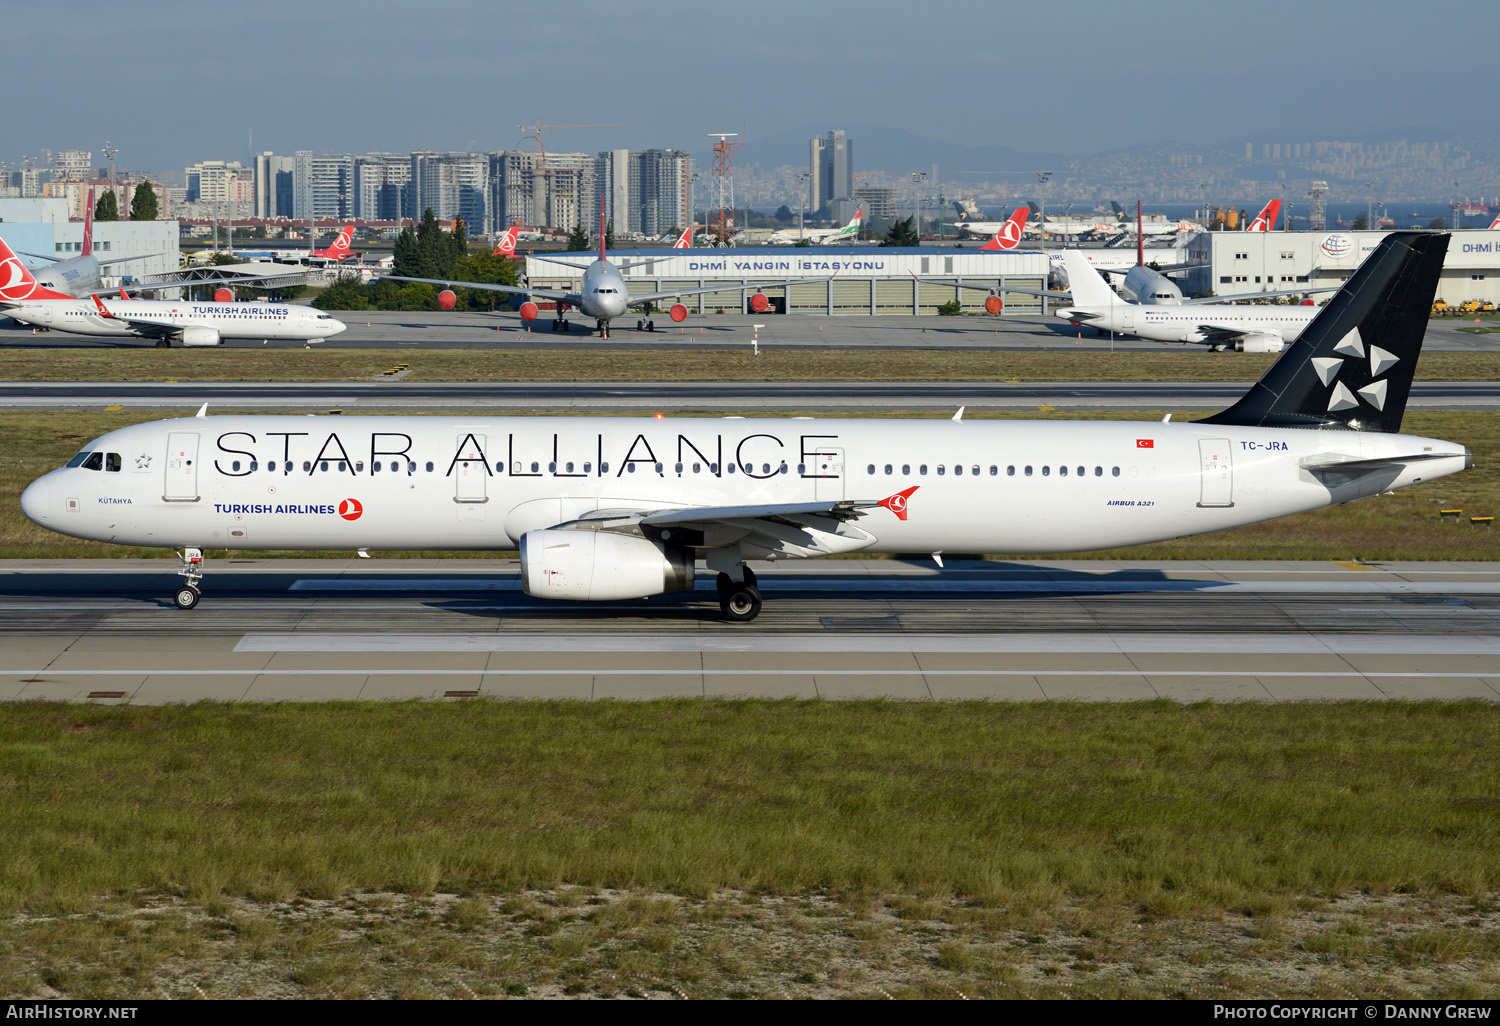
(182, 467)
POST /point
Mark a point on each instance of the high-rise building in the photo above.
(217, 181)
(451, 185)
(274, 192)
(322, 186)
(382, 186)
(645, 191)
(74, 165)
(558, 192)
(832, 164)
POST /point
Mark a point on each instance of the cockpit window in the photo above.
(112, 462)
(78, 460)
(94, 461)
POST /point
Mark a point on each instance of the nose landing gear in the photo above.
(188, 594)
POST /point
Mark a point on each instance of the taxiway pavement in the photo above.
(105, 631)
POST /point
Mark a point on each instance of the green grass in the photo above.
(1157, 804)
(498, 364)
(1403, 526)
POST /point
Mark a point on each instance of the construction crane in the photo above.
(535, 131)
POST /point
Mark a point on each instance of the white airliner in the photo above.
(602, 293)
(818, 236)
(165, 321)
(622, 508)
(1215, 323)
(80, 275)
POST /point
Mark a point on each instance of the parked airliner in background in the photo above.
(685, 240)
(1248, 328)
(622, 508)
(164, 321)
(818, 236)
(505, 246)
(1265, 221)
(602, 293)
(1011, 232)
(80, 275)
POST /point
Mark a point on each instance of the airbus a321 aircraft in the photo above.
(610, 509)
(602, 294)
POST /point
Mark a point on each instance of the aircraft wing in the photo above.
(619, 267)
(997, 288)
(142, 326)
(1160, 269)
(177, 283)
(1220, 334)
(651, 297)
(709, 516)
(448, 283)
(1259, 295)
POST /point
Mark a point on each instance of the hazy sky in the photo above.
(170, 83)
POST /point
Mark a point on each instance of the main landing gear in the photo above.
(559, 324)
(644, 325)
(739, 601)
(187, 594)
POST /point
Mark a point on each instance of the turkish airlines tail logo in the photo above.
(1495, 224)
(686, 241)
(16, 283)
(1265, 221)
(506, 246)
(1009, 235)
(340, 246)
(897, 503)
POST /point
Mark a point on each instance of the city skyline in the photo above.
(377, 76)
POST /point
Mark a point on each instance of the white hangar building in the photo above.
(860, 281)
(1277, 261)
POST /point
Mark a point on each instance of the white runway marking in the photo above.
(1197, 644)
(933, 585)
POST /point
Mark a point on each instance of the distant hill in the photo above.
(890, 149)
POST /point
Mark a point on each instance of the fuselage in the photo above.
(229, 320)
(77, 276)
(603, 291)
(1168, 323)
(481, 483)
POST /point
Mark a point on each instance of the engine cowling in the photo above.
(598, 566)
(993, 304)
(759, 303)
(446, 299)
(223, 296)
(678, 312)
(528, 311)
(200, 336)
(1259, 344)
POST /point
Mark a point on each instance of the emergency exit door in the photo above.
(828, 466)
(469, 470)
(182, 467)
(1217, 477)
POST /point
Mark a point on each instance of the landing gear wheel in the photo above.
(640, 325)
(187, 597)
(650, 325)
(741, 603)
(163, 343)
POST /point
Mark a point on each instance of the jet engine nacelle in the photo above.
(598, 566)
(1259, 344)
(223, 296)
(678, 312)
(200, 336)
(759, 303)
(993, 305)
(528, 311)
(446, 299)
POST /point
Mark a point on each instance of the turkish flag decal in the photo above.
(1145, 443)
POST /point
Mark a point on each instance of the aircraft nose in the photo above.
(36, 500)
(341, 327)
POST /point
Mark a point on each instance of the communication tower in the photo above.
(1318, 219)
(721, 223)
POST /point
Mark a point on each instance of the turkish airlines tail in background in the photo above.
(1495, 225)
(506, 246)
(16, 283)
(1265, 221)
(1009, 235)
(88, 224)
(686, 239)
(339, 248)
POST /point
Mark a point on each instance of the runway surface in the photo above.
(434, 330)
(352, 397)
(368, 629)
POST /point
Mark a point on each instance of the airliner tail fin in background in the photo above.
(1009, 235)
(1265, 221)
(16, 283)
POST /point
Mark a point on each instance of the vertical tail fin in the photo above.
(88, 224)
(1265, 221)
(16, 283)
(1140, 237)
(1087, 285)
(1495, 224)
(1009, 235)
(1353, 365)
(601, 228)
